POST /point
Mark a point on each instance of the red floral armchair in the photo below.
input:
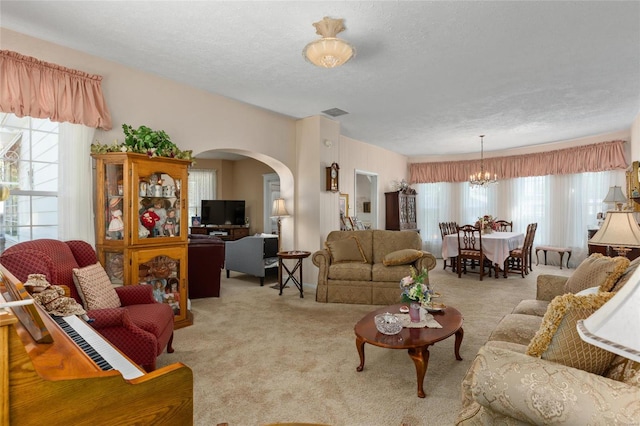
(141, 328)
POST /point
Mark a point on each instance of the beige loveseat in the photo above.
(530, 372)
(352, 266)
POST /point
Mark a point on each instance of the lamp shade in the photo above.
(615, 196)
(614, 326)
(279, 208)
(328, 52)
(619, 229)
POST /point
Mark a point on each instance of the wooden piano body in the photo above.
(58, 384)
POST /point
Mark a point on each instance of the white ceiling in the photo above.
(428, 77)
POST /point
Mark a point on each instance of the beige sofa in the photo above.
(506, 386)
(352, 266)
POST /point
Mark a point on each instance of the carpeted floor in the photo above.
(259, 358)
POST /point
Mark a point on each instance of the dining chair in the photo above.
(503, 226)
(519, 260)
(470, 249)
(448, 228)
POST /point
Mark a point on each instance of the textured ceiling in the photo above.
(428, 77)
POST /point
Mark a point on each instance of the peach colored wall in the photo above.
(248, 185)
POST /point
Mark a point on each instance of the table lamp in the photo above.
(616, 325)
(619, 230)
(615, 196)
(279, 210)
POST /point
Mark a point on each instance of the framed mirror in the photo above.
(365, 207)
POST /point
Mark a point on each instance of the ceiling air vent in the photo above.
(335, 112)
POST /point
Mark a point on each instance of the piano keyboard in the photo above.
(96, 347)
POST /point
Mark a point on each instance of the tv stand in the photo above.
(233, 232)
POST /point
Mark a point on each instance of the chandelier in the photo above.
(482, 178)
(328, 51)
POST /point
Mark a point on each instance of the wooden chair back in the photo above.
(504, 226)
(470, 249)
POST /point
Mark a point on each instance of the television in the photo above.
(222, 212)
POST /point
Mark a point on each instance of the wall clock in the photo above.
(333, 177)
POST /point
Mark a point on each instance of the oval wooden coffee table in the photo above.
(415, 340)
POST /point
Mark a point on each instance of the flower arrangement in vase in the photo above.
(486, 223)
(415, 291)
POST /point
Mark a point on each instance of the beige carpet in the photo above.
(260, 358)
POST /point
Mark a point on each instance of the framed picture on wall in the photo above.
(344, 204)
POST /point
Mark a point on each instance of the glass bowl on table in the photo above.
(388, 323)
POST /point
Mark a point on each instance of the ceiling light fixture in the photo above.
(329, 51)
(482, 178)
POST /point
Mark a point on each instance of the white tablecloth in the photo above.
(496, 245)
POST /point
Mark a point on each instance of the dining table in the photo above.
(496, 246)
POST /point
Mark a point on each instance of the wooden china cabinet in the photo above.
(140, 235)
(400, 211)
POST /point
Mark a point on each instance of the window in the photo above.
(564, 206)
(29, 166)
(202, 186)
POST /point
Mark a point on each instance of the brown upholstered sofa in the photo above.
(352, 266)
(515, 381)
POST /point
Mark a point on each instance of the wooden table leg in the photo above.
(360, 346)
(420, 357)
(459, 336)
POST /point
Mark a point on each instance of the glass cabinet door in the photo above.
(114, 266)
(113, 198)
(158, 204)
(164, 269)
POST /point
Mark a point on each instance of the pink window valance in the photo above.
(587, 158)
(30, 87)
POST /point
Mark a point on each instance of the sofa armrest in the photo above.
(550, 286)
(427, 261)
(139, 294)
(322, 259)
(111, 317)
(537, 391)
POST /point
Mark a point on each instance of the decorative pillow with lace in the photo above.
(95, 287)
(558, 340)
(596, 270)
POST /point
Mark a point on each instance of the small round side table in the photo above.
(297, 255)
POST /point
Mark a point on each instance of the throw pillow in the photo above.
(346, 250)
(557, 340)
(93, 284)
(624, 278)
(402, 257)
(596, 270)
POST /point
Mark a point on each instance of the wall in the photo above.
(248, 185)
(202, 121)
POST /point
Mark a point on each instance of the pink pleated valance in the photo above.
(587, 158)
(30, 87)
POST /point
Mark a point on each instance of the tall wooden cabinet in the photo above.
(401, 212)
(141, 237)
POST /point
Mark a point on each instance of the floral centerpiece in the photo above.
(415, 287)
(487, 223)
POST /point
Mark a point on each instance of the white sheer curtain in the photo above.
(202, 186)
(76, 188)
(564, 206)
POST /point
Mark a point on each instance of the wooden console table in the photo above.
(234, 232)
